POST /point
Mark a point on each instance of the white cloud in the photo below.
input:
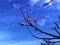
(21, 43)
(32, 2)
(4, 36)
(42, 22)
(16, 6)
(47, 1)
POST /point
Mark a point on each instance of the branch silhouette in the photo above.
(47, 3)
(30, 24)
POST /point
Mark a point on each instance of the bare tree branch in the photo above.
(29, 23)
(56, 30)
(47, 3)
(43, 31)
(39, 37)
(38, 28)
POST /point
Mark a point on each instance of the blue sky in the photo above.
(11, 33)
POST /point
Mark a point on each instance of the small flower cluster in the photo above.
(28, 20)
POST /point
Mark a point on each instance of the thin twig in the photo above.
(47, 3)
(43, 31)
(39, 37)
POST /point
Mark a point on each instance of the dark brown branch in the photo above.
(38, 28)
(22, 13)
(47, 3)
(39, 37)
(56, 24)
(27, 10)
(44, 32)
(55, 28)
(56, 42)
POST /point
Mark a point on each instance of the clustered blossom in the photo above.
(28, 19)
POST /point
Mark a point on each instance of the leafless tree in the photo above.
(30, 24)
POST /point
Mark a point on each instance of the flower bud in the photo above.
(35, 20)
(28, 19)
(22, 24)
